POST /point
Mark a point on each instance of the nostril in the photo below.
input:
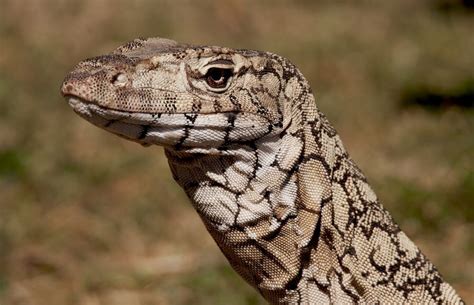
(66, 88)
(115, 77)
(119, 79)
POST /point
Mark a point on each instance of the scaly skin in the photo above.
(264, 169)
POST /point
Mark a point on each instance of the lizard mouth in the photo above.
(129, 125)
(94, 113)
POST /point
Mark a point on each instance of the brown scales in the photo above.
(263, 167)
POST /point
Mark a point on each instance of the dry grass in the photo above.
(87, 218)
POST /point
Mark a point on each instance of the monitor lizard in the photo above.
(263, 167)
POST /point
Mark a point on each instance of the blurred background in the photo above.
(87, 218)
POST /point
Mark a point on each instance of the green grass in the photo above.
(220, 286)
(432, 209)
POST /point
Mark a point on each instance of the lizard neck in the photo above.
(262, 201)
(266, 180)
(244, 186)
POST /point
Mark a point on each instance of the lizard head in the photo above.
(156, 91)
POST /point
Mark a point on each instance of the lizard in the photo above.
(263, 167)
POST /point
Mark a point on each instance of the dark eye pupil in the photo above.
(216, 74)
(217, 77)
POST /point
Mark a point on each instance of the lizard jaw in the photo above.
(106, 119)
(170, 130)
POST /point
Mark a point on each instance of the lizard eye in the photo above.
(218, 78)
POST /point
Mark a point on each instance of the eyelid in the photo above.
(221, 62)
(221, 66)
(218, 66)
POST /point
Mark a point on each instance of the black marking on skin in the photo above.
(267, 194)
(305, 256)
(319, 158)
(293, 169)
(325, 201)
(299, 296)
(109, 123)
(418, 263)
(171, 108)
(267, 69)
(328, 238)
(131, 45)
(221, 61)
(358, 287)
(144, 132)
(373, 263)
(239, 208)
(323, 287)
(197, 105)
(287, 74)
(351, 251)
(265, 251)
(277, 165)
(217, 106)
(222, 186)
(265, 91)
(241, 72)
(317, 136)
(233, 99)
(190, 119)
(155, 117)
(347, 290)
(237, 196)
(285, 130)
(257, 164)
(170, 98)
(355, 214)
(340, 259)
(409, 284)
(231, 117)
(261, 110)
(272, 234)
(192, 74)
(264, 273)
